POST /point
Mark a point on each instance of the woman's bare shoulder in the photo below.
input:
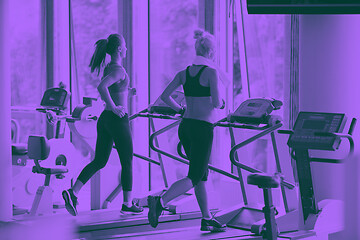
(182, 76)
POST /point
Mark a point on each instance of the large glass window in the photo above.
(261, 66)
(26, 69)
(260, 61)
(92, 20)
(26, 65)
(172, 24)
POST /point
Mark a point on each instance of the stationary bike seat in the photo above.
(263, 180)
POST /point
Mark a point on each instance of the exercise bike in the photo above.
(63, 160)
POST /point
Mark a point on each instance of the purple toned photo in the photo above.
(193, 119)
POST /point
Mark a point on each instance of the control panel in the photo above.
(55, 98)
(309, 123)
(255, 111)
(162, 108)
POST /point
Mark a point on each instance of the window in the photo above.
(261, 68)
(92, 20)
(26, 66)
(261, 53)
(172, 24)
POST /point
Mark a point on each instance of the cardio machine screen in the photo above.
(55, 97)
(252, 104)
(309, 123)
(314, 124)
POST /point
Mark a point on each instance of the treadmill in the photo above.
(97, 224)
(253, 114)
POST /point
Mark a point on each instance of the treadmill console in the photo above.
(162, 108)
(309, 123)
(255, 111)
(55, 98)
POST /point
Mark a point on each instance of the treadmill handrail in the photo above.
(145, 113)
(224, 123)
(179, 159)
(250, 140)
(341, 135)
(348, 136)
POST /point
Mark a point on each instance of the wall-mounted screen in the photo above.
(303, 6)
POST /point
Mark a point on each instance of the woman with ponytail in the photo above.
(200, 83)
(112, 125)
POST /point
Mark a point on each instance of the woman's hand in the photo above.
(132, 92)
(223, 104)
(119, 110)
(182, 111)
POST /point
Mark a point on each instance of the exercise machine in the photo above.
(160, 110)
(39, 150)
(54, 100)
(186, 203)
(252, 114)
(19, 160)
(314, 131)
(183, 211)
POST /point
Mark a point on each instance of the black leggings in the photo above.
(111, 128)
(196, 136)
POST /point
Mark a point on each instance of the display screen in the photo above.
(313, 124)
(54, 97)
(252, 104)
(303, 6)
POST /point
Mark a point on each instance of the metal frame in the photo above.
(266, 129)
(145, 114)
(310, 210)
(179, 159)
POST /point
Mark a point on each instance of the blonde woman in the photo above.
(200, 83)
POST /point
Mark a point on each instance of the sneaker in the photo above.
(134, 209)
(70, 201)
(155, 210)
(212, 225)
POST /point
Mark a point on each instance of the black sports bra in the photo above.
(192, 86)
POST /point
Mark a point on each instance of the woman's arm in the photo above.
(165, 96)
(103, 89)
(214, 89)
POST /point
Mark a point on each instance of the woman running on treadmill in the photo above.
(200, 83)
(112, 125)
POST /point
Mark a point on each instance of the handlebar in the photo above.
(248, 141)
(285, 132)
(348, 136)
(156, 149)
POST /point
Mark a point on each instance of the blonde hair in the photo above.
(205, 43)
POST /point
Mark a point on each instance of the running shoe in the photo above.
(155, 210)
(133, 210)
(70, 201)
(212, 225)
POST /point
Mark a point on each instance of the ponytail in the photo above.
(98, 58)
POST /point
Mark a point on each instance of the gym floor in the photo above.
(104, 224)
